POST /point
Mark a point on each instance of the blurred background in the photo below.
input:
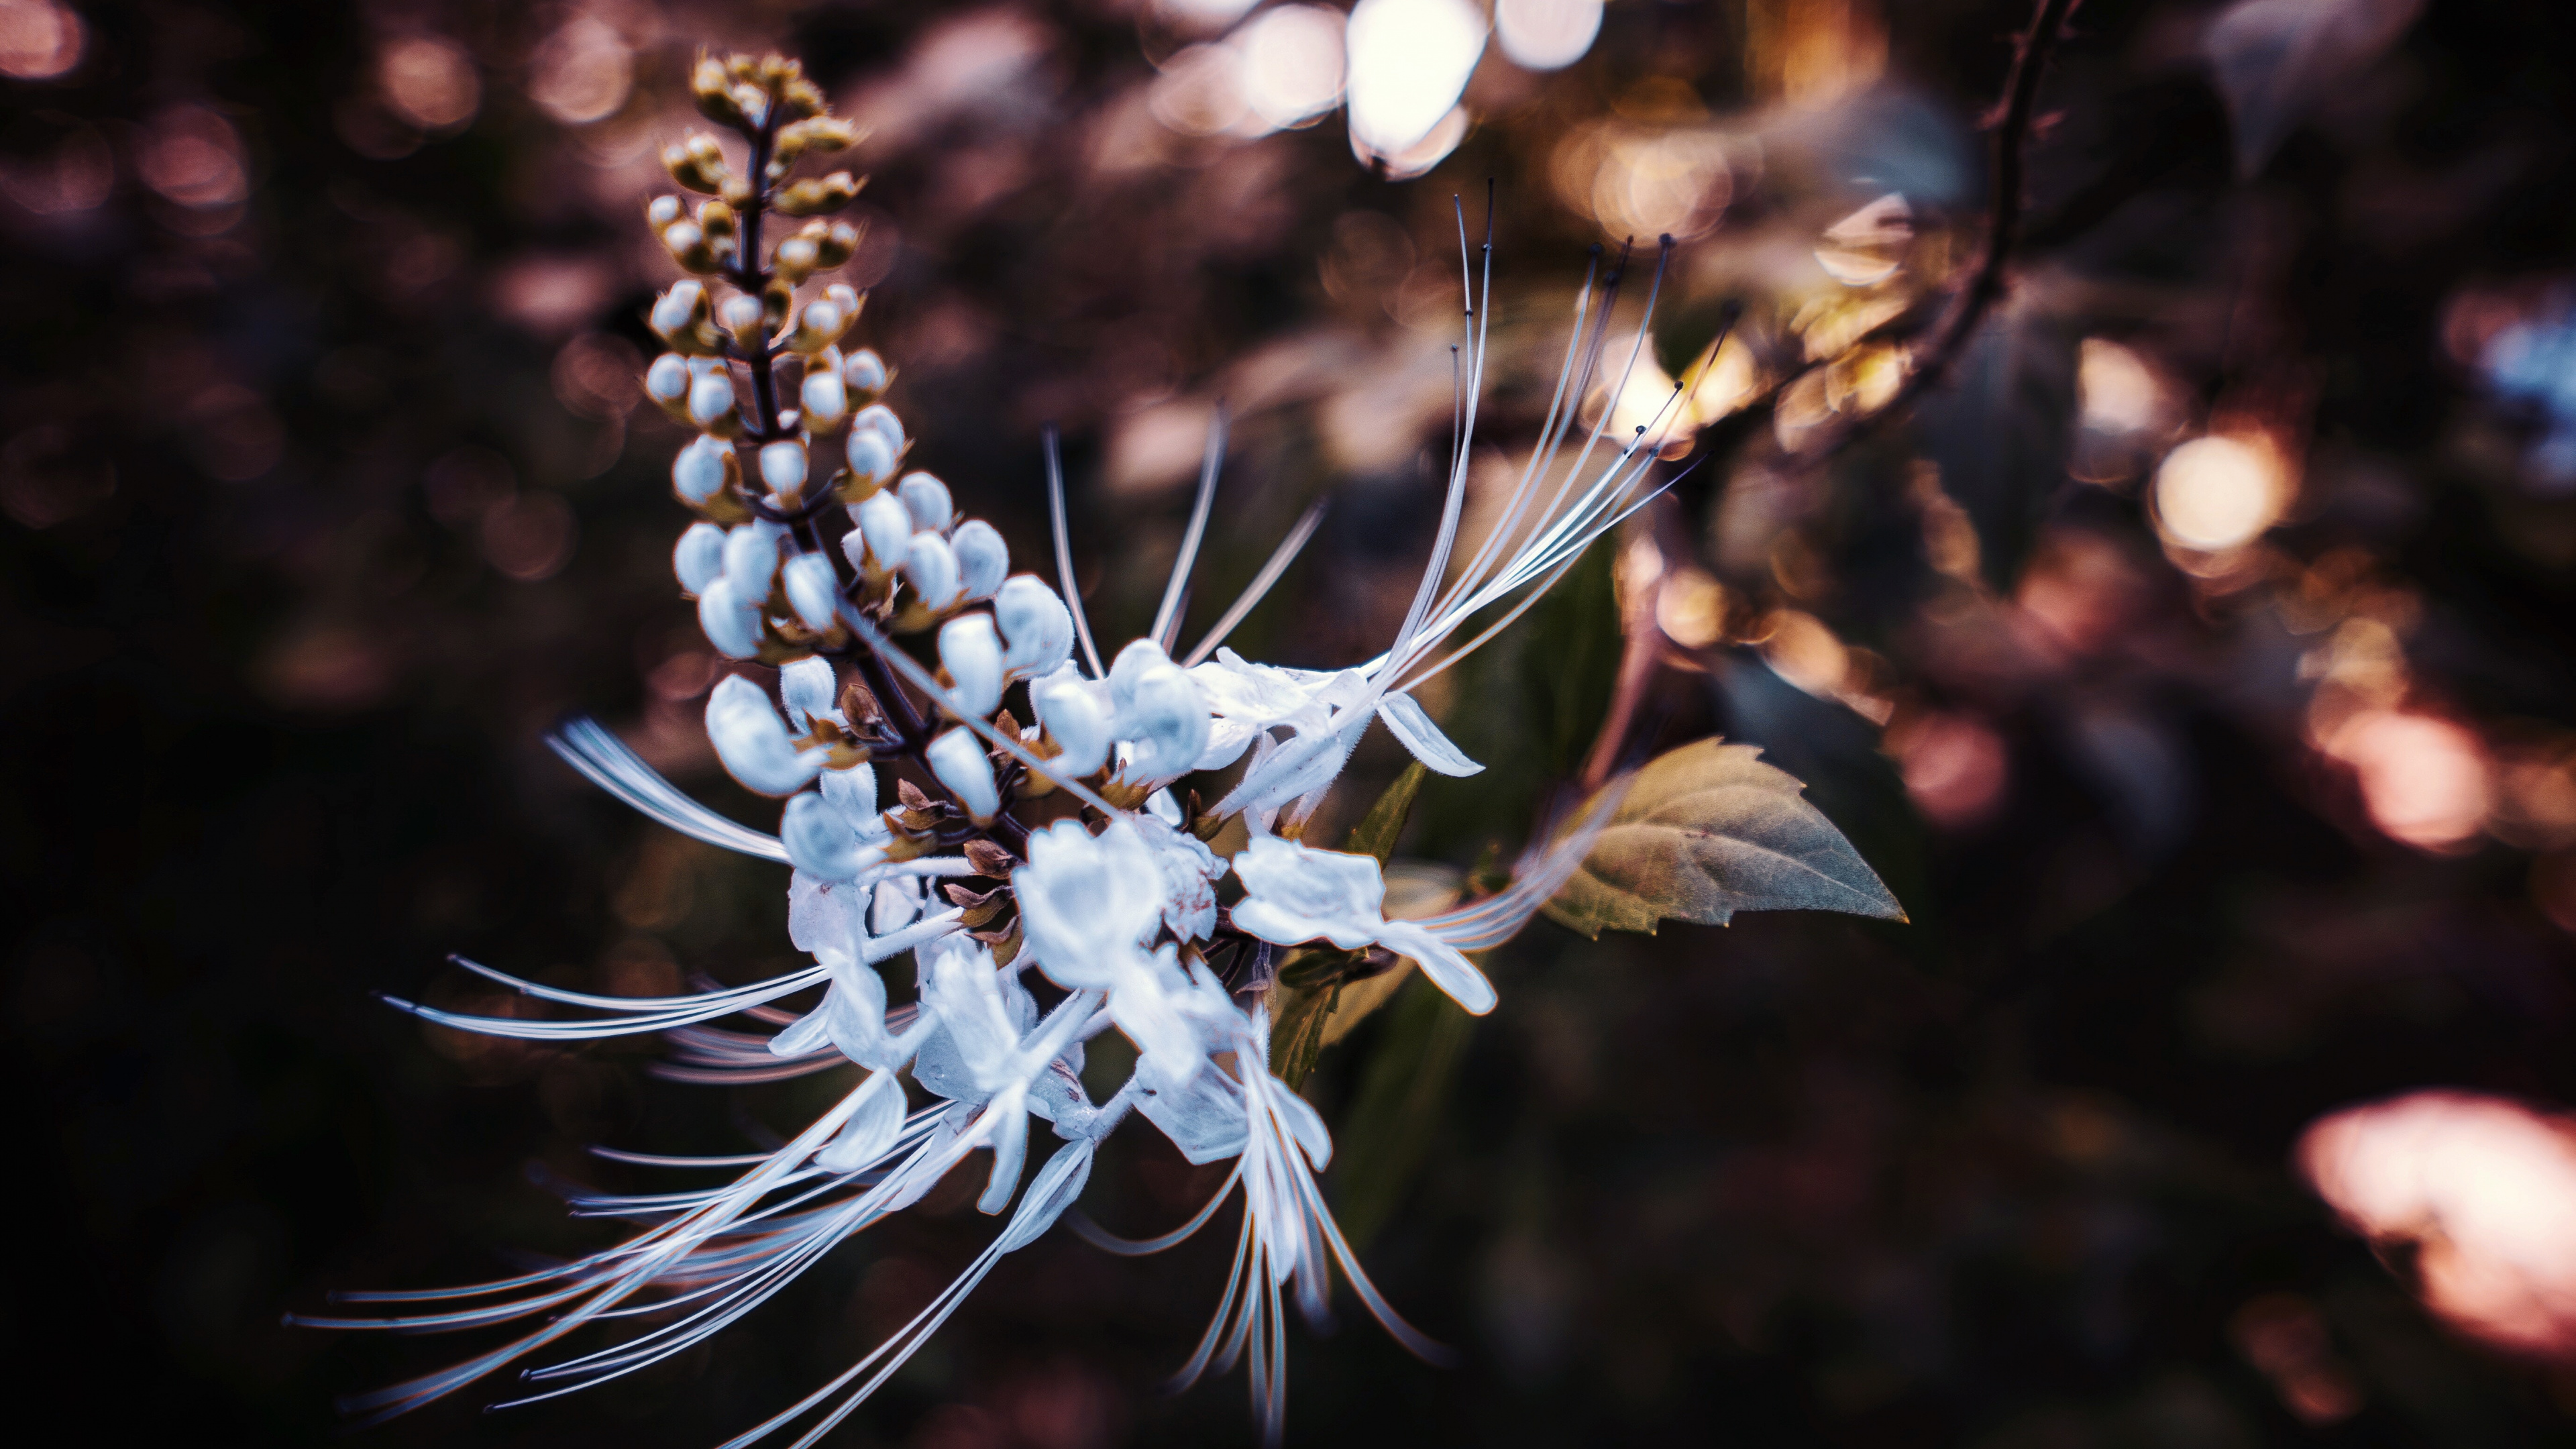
(2193, 661)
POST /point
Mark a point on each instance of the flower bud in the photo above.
(701, 470)
(812, 591)
(730, 621)
(931, 565)
(958, 759)
(838, 243)
(820, 842)
(1160, 711)
(815, 194)
(687, 243)
(666, 382)
(1070, 708)
(888, 530)
(697, 163)
(680, 316)
(717, 219)
(753, 742)
(826, 401)
(751, 557)
(971, 652)
(699, 558)
(711, 405)
(817, 327)
(819, 134)
(782, 467)
(806, 686)
(983, 560)
(926, 499)
(661, 211)
(1034, 622)
(796, 257)
(745, 319)
(872, 460)
(865, 372)
(853, 792)
(878, 418)
(714, 92)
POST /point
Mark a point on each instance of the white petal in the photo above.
(806, 686)
(1035, 624)
(751, 557)
(982, 558)
(1413, 728)
(853, 792)
(932, 567)
(782, 467)
(711, 400)
(876, 418)
(731, 623)
(865, 372)
(667, 380)
(820, 841)
(958, 759)
(927, 500)
(971, 652)
(872, 1129)
(699, 558)
(872, 458)
(752, 741)
(1448, 970)
(680, 306)
(888, 529)
(823, 400)
(698, 470)
(1071, 709)
(813, 590)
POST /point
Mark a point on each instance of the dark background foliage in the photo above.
(326, 493)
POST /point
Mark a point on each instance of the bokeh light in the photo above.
(39, 39)
(1409, 61)
(1546, 34)
(2482, 1187)
(429, 82)
(2425, 781)
(2219, 493)
(583, 72)
(1292, 63)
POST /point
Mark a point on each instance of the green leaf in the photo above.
(1999, 429)
(1395, 1115)
(1709, 830)
(1377, 831)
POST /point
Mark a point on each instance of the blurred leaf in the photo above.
(1999, 429)
(1398, 1108)
(1528, 705)
(2276, 59)
(1377, 831)
(1709, 830)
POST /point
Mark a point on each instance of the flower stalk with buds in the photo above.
(815, 547)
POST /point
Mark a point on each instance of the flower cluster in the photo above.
(815, 547)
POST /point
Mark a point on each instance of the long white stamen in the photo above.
(1167, 617)
(1064, 555)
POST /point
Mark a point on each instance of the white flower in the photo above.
(753, 742)
(1076, 712)
(1297, 894)
(813, 591)
(1158, 711)
(982, 558)
(699, 471)
(958, 759)
(806, 686)
(1087, 901)
(926, 499)
(872, 458)
(820, 841)
(971, 651)
(699, 558)
(1190, 873)
(931, 567)
(887, 528)
(1035, 625)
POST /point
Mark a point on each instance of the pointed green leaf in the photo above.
(1377, 831)
(1709, 830)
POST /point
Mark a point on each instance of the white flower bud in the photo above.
(1035, 624)
(927, 499)
(699, 559)
(932, 566)
(865, 372)
(806, 687)
(888, 530)
(742, 316)
(825, 400)
(1160, 711)
(1071, 709)
(820, 842)
(983, 560)
(661, 211)
(958, 759)
(782, 467)
(812, 591)
(730, 621)
(881, 418)
(871, 457)
(679, 308)
(751, 557)
(667, 380)
(752, 741)
(699, 471)
(853, 792)
(711, 404)
(845, 297)
(818, 326)
(971, 652)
